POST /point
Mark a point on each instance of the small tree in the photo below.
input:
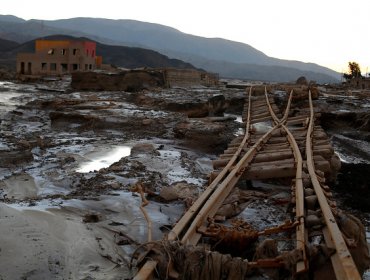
(354, 71)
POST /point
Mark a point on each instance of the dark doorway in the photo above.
(29, 68)
(22, 68)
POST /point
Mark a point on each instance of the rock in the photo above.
(335, 165)
(67, 160)
(312, 220)
(300, 92)
(204, 134)
(92, 218)
(355, 234)
(302, 81)
(216, 105)
(168, 194)
(116, 168)
(179, 190)
(24, 144)
(308, 192)
(144, 148)
(311, 201)
(15, 158)
(147, 122)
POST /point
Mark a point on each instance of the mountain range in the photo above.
(126, 57)
(228, 58)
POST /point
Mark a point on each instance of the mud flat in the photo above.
(69, 160)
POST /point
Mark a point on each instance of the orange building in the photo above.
(58, 58)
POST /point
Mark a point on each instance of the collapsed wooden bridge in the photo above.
(292, 147)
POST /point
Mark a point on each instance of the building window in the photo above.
(53, 67)
(44, 66)
(74, 67)
(90, 66)
(51, 51)
(64, 51)
(93, 53)
(64, 67)
(75, 51)
(86, 67)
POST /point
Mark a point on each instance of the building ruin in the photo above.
(58, 57)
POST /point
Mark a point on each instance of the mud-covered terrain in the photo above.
(68, 163)
(69, 160)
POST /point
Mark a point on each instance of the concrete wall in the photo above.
(57, 58)
(360, 83)
(189, 77)
(131, 81)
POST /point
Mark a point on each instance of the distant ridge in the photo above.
(127, 57)
(239, 60)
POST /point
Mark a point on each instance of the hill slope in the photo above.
(127, 57)
(174, 43)
(202, 52)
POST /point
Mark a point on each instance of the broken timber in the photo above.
(285, 150)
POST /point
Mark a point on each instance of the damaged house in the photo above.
(58, 57)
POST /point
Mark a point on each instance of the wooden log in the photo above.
(230, 151)
(281, 162)
(323, 166)
(298, 117)
(263, 119)
(256, 110)
(287, 149)
(238, 139)
(276, 132)
(322, 147)
(220, 163)
(266, 158)
(269, 171)
(320, 142)
(275, 147)
(260, 115)
(225, 155)
(273, 156)
(277, 169)
(236, 145)
(302, 121)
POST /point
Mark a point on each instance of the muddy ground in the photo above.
(69, 159)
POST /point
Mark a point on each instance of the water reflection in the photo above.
(104, 158)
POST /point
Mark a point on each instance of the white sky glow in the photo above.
(327, 32)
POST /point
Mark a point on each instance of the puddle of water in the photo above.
(6, 97)
(239, 132)
(238, 117)
(342, 157)
(103, 158)
(3, 146)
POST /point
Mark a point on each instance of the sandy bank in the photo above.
(55, 245)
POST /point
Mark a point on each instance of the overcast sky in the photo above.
(327, 32)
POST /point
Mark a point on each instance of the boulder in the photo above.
(179, 190)
(302, 81)
(144, 148)
(216, 105)
(204, 134)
